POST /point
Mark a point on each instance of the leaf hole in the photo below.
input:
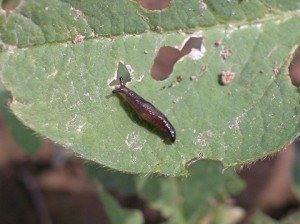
(167, 57)
(154, 4)
(9, 5)
(294, 67)
(124, 71)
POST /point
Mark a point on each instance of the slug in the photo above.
(147, 111)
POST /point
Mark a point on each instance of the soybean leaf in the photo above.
(261, 218)
(61, 85)
(25, 137)
(116, 214)
(192, 200)
(204, 195)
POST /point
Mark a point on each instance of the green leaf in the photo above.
(261, 218)
(116, 214)
(61, 88)
(201, 196)
(192, 199)
(292, 219)
(120, 182)
(25, 137)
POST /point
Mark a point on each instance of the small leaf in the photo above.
(261, 218)
(293, 218)
(202, 195)
(116, 214)
(189, 200)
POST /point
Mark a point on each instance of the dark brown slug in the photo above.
(147, 111)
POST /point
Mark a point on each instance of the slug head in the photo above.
(121, 87)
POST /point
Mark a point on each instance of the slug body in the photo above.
(147, 111)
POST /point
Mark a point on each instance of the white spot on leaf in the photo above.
(52, 74)
(130, 69)
(236, 123)
(79, 128)
(133, 159)
(134, 142)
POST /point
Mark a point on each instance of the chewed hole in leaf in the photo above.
(192, 43)
(294, 67)
(123, 71)
(164, 62)
(9, 5)
(167, 57)
(154, 4)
